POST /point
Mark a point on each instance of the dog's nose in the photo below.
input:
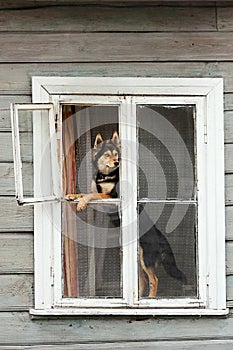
(116, 163)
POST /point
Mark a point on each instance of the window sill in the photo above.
(127, 312)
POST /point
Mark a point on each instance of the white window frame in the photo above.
(37, 122)
(207, 95)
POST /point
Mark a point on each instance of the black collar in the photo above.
(113, 176)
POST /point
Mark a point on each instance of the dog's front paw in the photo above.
(73, 196)
(82, 204)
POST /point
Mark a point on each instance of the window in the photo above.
(156, 245)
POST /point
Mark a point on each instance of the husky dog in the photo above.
(154, 246)
(106, 161)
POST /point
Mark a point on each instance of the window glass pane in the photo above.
(168, 255)
(166, 151)
(35, 153)
(90, 238)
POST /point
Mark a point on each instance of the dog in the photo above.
(154, 249)
(106, 161)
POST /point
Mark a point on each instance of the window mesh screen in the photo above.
(167, 197)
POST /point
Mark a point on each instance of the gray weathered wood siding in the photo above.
(104, 39)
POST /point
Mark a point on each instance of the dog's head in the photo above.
(106, 154)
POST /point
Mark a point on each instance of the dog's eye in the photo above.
(107, 155)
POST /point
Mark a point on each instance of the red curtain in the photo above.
(70, 270)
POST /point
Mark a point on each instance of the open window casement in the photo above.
(35, 153)
(171, 177)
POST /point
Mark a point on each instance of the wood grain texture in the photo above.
(16, 253)
(228, 158)
(113, 47)
(228, 127)
(161, 345)
(39, 3)
(229, 222)
(54, 41)
(229, 258)
(18, 81)
(229, 188)
(16, 292)
(96, 18)
(6, 154)
(7, 183)
(14, 218)
(224, 18)
(79, 330)
(230, 289)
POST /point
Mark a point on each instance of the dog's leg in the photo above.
(82, 204)
(142, 281)
(73, 196)
(151, 275)
(153, 283)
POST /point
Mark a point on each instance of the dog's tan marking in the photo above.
(82, 204)
(107, 187)
(151, 275)
(142, 281)
(73, 196)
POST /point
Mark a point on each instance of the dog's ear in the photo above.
(115, 139)
(98, 139)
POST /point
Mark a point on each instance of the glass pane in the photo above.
(168, 255)
(35, 147)
(166, 151)
(91, 237)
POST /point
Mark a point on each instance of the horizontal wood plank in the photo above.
(6, 154)
(229, 222)
(228, 126)
(7, 183)
(79, 18)
(229, 258)
(31, 3)
(134, 47)
(228, 158)
(14, 218)
(16, 292)
(224, 18)
(79, 330)
(161, 345)
(229, 189)
(16, 253)
(19, 79)
(230, 288)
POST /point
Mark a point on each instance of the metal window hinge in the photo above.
(208, 279)
(52, 276)
(205, 134)
(56, 102)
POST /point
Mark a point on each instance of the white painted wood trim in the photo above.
(15, 108)
(130, 86)
(211, 244)
(216, 198)
(128, 312)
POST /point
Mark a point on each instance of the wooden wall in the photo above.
(166, 39)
